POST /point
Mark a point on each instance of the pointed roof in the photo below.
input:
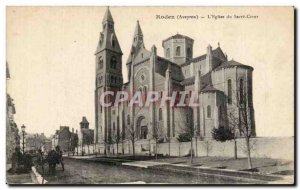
(107, 16)
(137, 43)
(7, 71)
(84, 120)
(108, 39)
(138, 30)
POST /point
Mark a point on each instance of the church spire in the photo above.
(108, 38)
(107, 16)
(138, 30)
(138, 36)
(138, 42)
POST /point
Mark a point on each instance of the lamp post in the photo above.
(23, 133)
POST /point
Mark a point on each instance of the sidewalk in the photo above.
(265, 170)
(241, 176)
(16, 179)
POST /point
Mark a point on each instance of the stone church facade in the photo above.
(217, 81)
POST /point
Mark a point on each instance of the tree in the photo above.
(132, 136)
(240, 120)
(233, 124)
(188, 132)
(158, 136)
(74, 142)
(245, 129)
(116, 138)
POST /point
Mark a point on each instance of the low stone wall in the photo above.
(270, 147)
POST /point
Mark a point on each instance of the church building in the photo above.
(220, 85)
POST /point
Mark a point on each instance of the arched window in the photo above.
(113, 43)
(241, 91)
(112, 79)
(145, 92)
(229, 91)
(100, 63)
(189, 52)
(118, 128)
(160, 114)
(168, 52)
(220, 114)
(114, 127)
(113, 62)
(178, 51)
(100, 80)
(128, 119)
(208, 112)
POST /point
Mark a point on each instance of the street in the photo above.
(88, 172)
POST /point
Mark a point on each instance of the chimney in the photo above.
(72, 130)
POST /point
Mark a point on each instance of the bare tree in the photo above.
(117, 138)
(240, 121)
(122, 139)
(158, 135)
(187, 133)
(233, 123)
(132, 136)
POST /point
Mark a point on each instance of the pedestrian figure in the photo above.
(52, 159)
(17, 159)
(60, 157)
(40, 158)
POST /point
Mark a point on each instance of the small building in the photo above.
(86, 135)
(34, 141)
(63, 138)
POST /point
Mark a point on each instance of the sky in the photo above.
(50, 52)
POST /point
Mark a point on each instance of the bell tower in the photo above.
(108, 58)
(178, 48)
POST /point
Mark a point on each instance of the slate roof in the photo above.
(167, 61)
(205, 80)
(196, 59)
(176, 36)
(138, 30)
(84, 120)
(210, 88)
(215, 53)
(107, 16)
(7, 71)
(232, 63)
